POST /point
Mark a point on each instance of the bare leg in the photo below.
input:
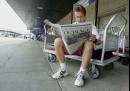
(59, 48)
(87, 53)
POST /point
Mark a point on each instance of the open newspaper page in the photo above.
(73, 35)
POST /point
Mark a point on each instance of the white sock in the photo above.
(63, 66)
(82, 69)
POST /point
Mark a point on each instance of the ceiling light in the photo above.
(39, 7)
(38, 17)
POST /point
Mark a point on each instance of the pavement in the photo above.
(24, 67)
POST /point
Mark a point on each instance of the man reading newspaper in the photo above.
(86, 50)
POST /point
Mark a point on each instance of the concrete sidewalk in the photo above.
(113, 80)
(23, 67)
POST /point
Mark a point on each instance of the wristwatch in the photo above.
(95, 41)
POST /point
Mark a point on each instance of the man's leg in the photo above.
(87, 54)
(59, 48)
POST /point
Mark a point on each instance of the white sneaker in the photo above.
(80, 79)
(59, 74)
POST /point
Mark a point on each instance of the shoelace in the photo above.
(60, 72)
(80, 74)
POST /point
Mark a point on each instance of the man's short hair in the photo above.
(79, 8)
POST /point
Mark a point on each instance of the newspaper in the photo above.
(73, 35)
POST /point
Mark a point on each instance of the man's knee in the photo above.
(89, 45)
(58, 42)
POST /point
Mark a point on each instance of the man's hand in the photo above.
(56, 33)
(92, 38)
